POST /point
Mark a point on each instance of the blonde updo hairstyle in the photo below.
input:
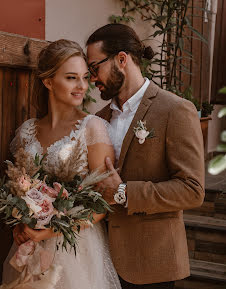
(49, 60)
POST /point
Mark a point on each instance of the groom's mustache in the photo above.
(100, 83)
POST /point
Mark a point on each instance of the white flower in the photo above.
(141, 134)
(35, 195)
(32, 204)
(141, 131)
(76, 210)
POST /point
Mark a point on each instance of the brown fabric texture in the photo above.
(164, 176)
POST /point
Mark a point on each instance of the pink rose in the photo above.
(58, 187)
(47, 208)
(44, 216)
(35, 195)
(42, 221)
(49, 191)
(24, 184)
(141, 135)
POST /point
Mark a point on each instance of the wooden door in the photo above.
(17, 60)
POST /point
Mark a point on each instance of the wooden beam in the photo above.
(19, 51)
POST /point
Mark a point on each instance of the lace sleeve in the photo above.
(16, 143)
(22, 135)
(98, 131)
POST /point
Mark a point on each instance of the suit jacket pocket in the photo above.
(160, 216)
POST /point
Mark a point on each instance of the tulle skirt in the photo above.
(91, 268)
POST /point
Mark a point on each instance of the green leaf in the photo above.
(217, 165)
(223, 135)
(222, 112)
(222, 90)
(221, 148)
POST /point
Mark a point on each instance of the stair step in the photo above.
(204, 222)
(208, 270)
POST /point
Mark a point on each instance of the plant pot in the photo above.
(204, 126)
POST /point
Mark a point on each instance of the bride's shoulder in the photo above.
(97, 130)
(93, 121)
(27, 127)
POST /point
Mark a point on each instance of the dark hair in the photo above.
(49, 60)
(120, 37)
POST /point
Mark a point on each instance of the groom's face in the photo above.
(104, 72)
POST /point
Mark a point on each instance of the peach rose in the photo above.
(24, 184)
(58, 187)
(141, 135)
(52, 193)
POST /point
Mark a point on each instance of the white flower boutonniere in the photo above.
(141, 131)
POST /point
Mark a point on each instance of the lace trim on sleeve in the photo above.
(97, 131)
(24, 135)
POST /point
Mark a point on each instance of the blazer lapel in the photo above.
(105, 113)
(139, 115)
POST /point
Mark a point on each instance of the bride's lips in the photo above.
(77, 94)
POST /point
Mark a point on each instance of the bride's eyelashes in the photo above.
(73, 77)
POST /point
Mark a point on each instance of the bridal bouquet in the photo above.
(42, 201)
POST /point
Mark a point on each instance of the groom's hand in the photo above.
(110, 185)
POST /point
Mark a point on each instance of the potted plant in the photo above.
(204, 111)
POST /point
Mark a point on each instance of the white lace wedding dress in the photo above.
(92, 267)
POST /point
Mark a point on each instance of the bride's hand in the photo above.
(19, 235)
(40, 234)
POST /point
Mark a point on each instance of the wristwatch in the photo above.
(120, 195)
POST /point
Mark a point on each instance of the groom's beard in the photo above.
(113, 84)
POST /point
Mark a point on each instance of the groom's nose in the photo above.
(93, 78)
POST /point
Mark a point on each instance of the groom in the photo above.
(159, 175)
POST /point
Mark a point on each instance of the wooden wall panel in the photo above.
(196, 49)
(205, 61)
(1, 83)
(22, 97)
(186, 61)
(219, 59)
(9, 110)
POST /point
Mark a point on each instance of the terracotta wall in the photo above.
(25, 17)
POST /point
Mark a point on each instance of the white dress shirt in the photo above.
(121, 120)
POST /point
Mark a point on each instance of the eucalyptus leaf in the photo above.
(222, 112)
(223, 135)
(217, 165)
(221, 148)
(222, 90)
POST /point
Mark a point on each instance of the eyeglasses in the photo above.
(93, 69)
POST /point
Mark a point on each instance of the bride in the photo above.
(74, 143)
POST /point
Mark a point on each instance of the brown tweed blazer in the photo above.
(164, 176)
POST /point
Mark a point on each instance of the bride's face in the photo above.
(70, 82)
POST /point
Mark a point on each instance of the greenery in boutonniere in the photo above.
(141, 131)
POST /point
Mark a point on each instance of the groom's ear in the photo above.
(47, 82)
(122, 58)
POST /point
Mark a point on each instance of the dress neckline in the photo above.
(72, 134)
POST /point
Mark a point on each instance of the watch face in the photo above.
(120, 198)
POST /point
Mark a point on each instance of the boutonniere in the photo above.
(141, 131)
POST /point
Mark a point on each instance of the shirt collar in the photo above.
(133, 102)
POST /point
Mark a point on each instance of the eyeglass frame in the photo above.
(93, 69)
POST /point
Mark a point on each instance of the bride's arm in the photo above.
(96, 159)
